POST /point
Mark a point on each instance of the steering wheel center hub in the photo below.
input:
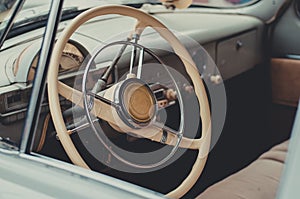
(137, 101)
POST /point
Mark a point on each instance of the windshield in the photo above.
(25, 15)
(36, 11)
(223, 3)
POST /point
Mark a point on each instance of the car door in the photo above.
(285, 65)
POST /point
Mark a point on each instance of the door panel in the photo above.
(285, 75)
(285, 63)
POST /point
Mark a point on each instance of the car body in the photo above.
(237, 53)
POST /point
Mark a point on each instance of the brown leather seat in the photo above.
(259, 180)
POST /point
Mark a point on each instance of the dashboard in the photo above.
(234, 43)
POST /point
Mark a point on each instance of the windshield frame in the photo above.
(39, 84)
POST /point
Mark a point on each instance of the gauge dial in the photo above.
(71, 59)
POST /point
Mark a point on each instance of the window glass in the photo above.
(19, 57)
(6, 10)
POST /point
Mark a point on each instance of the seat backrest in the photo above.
(290, 179)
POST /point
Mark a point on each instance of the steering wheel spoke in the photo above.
(102, 99)
(100, 108)
(166, 135)
(78, 127)
(140, 64)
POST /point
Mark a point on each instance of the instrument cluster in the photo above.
(14, 98)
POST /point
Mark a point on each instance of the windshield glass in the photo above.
(36, 11)
(32, 14)
(33, 8)
(223, 3)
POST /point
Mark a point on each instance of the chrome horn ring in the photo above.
(126, 114)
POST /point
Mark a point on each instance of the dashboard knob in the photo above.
(239, 44)
(216, 79)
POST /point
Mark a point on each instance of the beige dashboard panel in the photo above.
(285, 75)
(238, 54)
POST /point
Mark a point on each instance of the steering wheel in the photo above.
(105, 111)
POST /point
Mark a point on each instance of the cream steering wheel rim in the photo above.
(55, 87)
